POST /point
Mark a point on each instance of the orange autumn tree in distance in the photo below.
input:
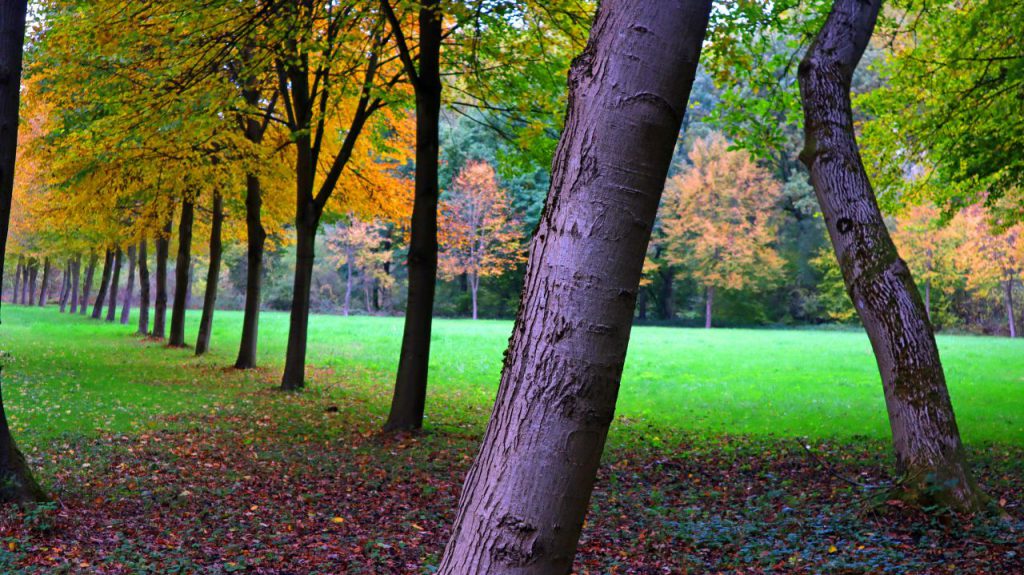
(479, 233)
(719, 220)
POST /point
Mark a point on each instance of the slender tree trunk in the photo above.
(709, 301)
(1009, 308)
(667, 274)
(16, 482)
(25, 272)
(143, 289)
(126, 301)
(348, 278)
(256, 238)
(929, 452)
(641, 304)
(306, 222)
(17, 278)
(115, 281)
(108, 262)
(475, 286)
(163, 243)
(526, 496)
(76, 272)
(410, 395)
(212, 277)
(45, 286)
(90, 272)
(65, 286)
(182, 269)
(33, 275)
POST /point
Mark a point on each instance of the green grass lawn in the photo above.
(72, 374)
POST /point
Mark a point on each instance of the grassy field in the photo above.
(69, 373)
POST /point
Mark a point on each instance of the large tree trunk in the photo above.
(163, 244)
(44, 287)
(928, 298)
(182, 267)
(143, 289)
(90, 273)
(76, 273)
(526, 496)
(115, 282)
(126, 302)
(16, 482)
(709, 302)
(256, 238)
(108, 262)
(212, 276)
(928, 448)
(410, 395)
(1011, 322)
(306, 222)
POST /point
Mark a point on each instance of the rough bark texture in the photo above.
(163, 244)
(306, 222)
(410, 395)
(115, 282)
(108, 263)
(90, 272)
(16, 482)
(126, 301)
(182, 267)
(924, 431)
(76, 273)
(526, 496)
(143, 289)
(44, 288)
(212, 276)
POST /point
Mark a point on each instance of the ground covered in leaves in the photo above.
(304, 484)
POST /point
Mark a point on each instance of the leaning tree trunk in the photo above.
(126, 303)
(182, 267)
(143, 289)
(108, 262)
(163, 243)
(90, 272)
(115, 281)
(526, 496)
(44, 287)
(409, 399)
(306, 221)
(1010, 308)
(928, 449)
(16, 482)
(212, 275)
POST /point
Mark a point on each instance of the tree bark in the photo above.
(143, 289)
(212, 277)
(409, 399)
(928, 298)
(927, 442)
(16, 482)
(474, 284)
(33, 274)
(17, 278)
(115, 282)
(709, 301)
(668, 274)
(306, 221)
(25, 272)
(90, 272)
(1009, 308)
(526, 496)
(348, 279)
(44, 287)
(256, 239)
(126, 301)
(108, 262)
(76, 272)
(182, 267)
(163, 244)
(65, 286)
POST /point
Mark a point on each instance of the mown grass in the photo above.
(72, 374)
